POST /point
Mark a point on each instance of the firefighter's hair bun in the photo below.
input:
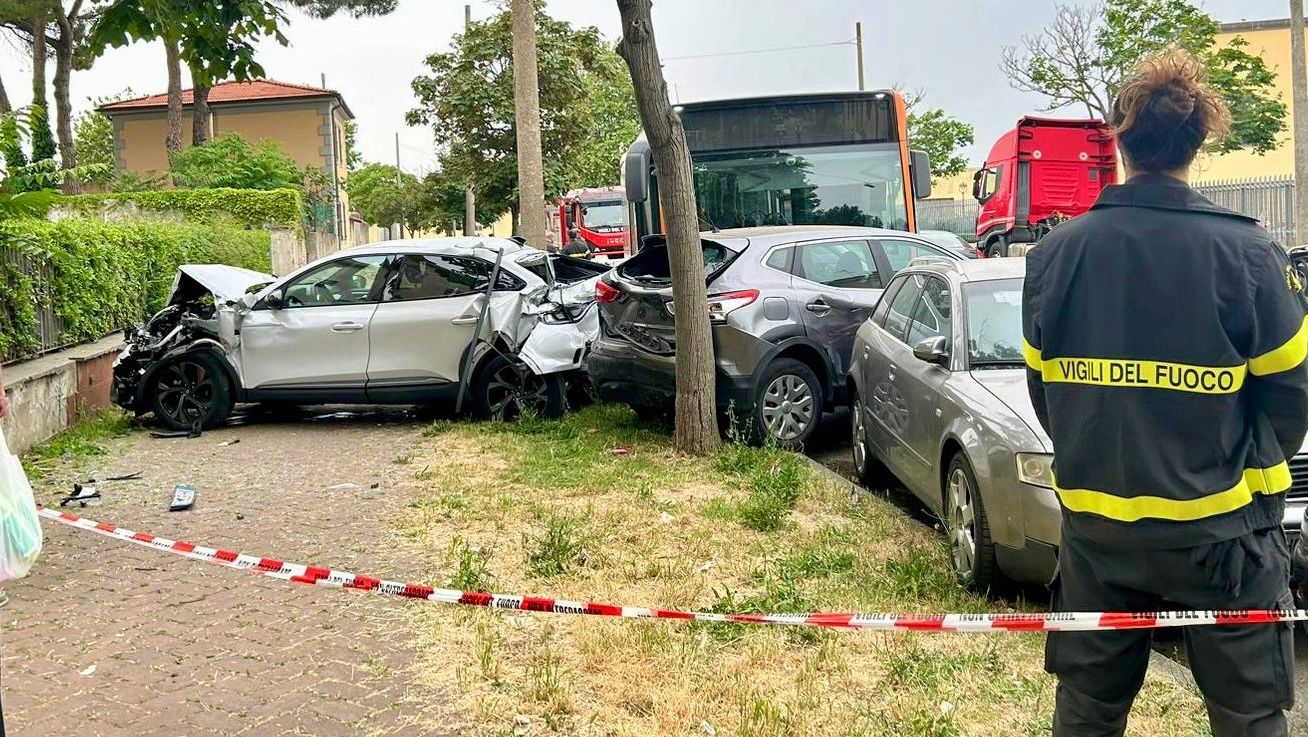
(1165, 111)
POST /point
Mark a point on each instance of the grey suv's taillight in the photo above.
(721, 305)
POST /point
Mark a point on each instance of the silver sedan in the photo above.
(940, 400)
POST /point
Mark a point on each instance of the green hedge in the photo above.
(249, 207)
(100, 277)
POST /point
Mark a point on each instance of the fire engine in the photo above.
(599, 214)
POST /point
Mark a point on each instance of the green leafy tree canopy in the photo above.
(230, 161)
(585, 99)
(1085, 54)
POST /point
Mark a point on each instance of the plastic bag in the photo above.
(20, 528)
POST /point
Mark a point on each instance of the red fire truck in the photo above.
(599, 214)
(1039, 174)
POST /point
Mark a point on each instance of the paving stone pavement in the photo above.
(107, 638)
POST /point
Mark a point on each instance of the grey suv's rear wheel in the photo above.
(970, 546)
(191, 392)
(788, 405)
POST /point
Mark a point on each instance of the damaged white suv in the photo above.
(389, 323)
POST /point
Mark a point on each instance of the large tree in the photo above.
(1083, 56)
(215, 40)
(696, 405)
(380, 194)
(468, 100)
(526, 107)
(202, 76)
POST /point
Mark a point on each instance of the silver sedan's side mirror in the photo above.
(933, 350)
(275, 299)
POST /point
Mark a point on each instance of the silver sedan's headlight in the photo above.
(1036, 469)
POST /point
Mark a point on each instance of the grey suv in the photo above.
(785, 303)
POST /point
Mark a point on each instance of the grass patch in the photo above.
(750, 530)
(562, 548)
(79, 443)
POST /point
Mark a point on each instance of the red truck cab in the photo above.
(1039, 174)
(600, 216)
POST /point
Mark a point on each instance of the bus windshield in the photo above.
(604, 216)
(829, 185)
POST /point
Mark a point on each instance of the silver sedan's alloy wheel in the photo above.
(962, 525)
(788, 407)
(859, 438)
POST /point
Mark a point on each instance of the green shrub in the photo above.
(248, 207)
(101, 277)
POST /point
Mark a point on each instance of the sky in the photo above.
(949, 49)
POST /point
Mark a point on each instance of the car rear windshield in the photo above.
(651, 264)
(994, 322)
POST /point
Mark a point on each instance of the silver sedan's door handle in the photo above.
(464, 320)
(346, 327)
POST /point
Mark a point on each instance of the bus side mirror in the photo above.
(919, 164)
(635, 172)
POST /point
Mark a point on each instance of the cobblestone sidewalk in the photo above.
(106, 638)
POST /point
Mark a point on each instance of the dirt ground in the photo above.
(107, 638)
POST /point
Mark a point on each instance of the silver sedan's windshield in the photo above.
(994, 322)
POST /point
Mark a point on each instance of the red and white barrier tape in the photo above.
(1034, 622)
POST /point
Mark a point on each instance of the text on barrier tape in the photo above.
(1020, 622)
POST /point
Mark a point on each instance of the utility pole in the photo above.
(1299, 70)
(858, 41)
(399, 181)
(469, 198)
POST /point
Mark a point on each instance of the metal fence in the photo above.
(49, 329)
(1270, 200)
(956, 216)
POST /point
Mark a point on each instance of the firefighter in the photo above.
(1165, 344)
(576, 245)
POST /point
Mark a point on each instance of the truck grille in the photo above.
(1299, 475)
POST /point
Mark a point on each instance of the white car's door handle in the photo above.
(464, 320)
(346, 327)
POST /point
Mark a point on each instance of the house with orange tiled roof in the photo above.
(308, 122)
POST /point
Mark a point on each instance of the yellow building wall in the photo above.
(1273, 45)
(295, 130)
(141, 143)
(957, 187)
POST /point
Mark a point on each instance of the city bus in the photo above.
(831, 158)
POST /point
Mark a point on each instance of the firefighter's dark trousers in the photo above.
(1245, 671)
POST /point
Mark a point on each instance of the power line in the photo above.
(850, 42)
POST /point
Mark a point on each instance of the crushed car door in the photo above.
(316, 341)
(426, 319)
(837, 283)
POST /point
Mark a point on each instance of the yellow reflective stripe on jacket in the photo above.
(1274, 480)
(1032, 355)
(1282, 359)
(1147, 374)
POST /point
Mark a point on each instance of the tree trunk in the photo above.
(696, 416)
(1299, 72)
(38, 59)
(526, 116)
(173, 141)
(200, 129)
(5, 107)
(63, 104)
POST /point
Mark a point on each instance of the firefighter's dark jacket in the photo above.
(1165, 347)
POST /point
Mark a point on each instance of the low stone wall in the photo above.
(52, 392)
